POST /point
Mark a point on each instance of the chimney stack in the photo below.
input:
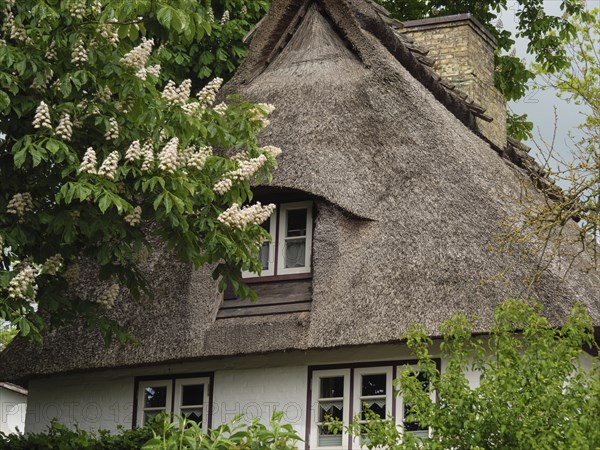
(463, 51)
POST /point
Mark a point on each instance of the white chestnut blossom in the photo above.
(64, 130)
(225, 17)
(154, 70)
(96, 7)
(77, 9)
(20, 284)
(211, 14)
(247, 168)
(135, 217)
(50, 54)
(208, 94)
(108, 169)
(42, 116)
(237, 217)
(261, 113)
(272, 150)
(53, 264)
(79, 53)
(198, 159)
(137, 58)
(167, 159)
(147, 156)
(220, 109)
(39, 85)
(109, 295)
(223, 186)
(109, 32)
(88, 165)
(134, 152)
(20, 204)
(177, 95)
(244, 10)
(112, 133)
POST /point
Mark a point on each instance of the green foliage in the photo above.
(533, 391)
(61, 437)
(7, 334)
(57, 210)
(161, 434)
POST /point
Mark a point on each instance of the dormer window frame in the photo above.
(278, 229)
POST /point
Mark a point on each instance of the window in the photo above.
(358, 391)
(183, 395)
(289, 252)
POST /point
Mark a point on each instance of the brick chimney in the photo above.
(463, 51)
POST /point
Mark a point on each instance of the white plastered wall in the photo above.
(13, 407)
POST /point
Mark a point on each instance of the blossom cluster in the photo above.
(77, 9)
(109, 295)
(220, 109)
(167, 159)
(208, 94)
(46, 78)
(240, 217)
(53, 264)
(20, 284)
(225, 18)
(88, 165)
(112, 133)
(137, 58)
(79, 53)
(42, 116)
(272, 150)
(247, 168)
(261, 113)
(19, 204)
(64, 130)
(147, 155)
(198, 158)
(109, 32)
(108, 169)
(177, 95)
(135, 217)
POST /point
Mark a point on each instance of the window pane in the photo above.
(264, 255)
(155, 397)
(376, 407)
(192, 394)
(332, 387)
(329, 411)
(296, 223)
(414, 426)
(374, 384)
(295, 253)
(193, 414)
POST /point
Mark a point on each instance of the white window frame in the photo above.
(277, 230)
(400, 405)
(179, 384)
(357, 394)
(284, 208)
(143, 385)
(273, 232)
(317, 375)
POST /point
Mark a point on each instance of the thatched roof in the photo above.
(409, 201)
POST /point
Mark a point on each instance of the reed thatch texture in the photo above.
(409, 201)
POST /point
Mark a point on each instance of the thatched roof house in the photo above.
(407, 196)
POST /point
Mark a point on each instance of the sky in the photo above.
(540, 105)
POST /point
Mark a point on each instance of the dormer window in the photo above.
(289, 252)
